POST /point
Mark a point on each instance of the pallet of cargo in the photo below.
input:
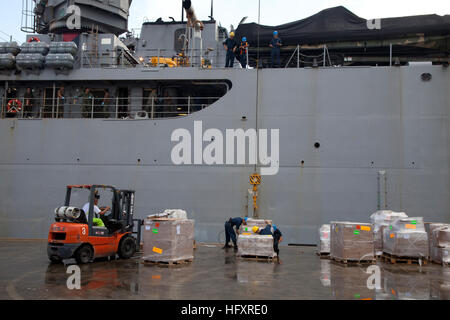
(386, 257)
(168, 263)
(350, 262)
(257, 258)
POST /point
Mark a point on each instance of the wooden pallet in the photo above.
(350, 262)
(257, 258)
(167, 263)
(444, 264)
(389, 258)
(323, 255)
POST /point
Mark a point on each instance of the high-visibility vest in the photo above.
(245, 45)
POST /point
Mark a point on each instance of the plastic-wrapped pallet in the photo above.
(429, 228)
(440, 245)
(247, 229)
(323, 246)
(9, 47)
(406, 238)
(382, 219)
(168, 240)
(351, 241)
(255, 245)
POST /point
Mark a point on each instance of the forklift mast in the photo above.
(122, 209)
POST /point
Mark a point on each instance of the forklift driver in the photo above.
(96, 220)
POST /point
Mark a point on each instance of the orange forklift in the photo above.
(75, 235)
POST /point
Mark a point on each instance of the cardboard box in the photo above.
(255, 245)
(406, 238)
(168, 240)
(352, 241)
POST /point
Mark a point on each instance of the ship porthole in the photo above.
(317, 145)
(426, 76)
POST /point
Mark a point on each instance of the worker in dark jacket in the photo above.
(229, 231)
(276, 45)
(272, 230)
(230, 46)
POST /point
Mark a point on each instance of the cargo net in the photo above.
(406, 238)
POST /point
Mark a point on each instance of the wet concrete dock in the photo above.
(25, 273)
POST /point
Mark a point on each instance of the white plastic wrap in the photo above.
(255, 245)
(382, 219)
(323, 246)
(440, 244)
(351, 241)
(247, 228)
(170, 214)
(406, 238)
(176, 214)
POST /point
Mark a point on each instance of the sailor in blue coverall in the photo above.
(229, 230)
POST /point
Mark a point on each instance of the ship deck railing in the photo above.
(150, 58)
(105, 108)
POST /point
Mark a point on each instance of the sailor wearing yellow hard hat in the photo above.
(271, 230)
(230, 46)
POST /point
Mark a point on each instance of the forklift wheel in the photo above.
(84, 255)
(127, 248)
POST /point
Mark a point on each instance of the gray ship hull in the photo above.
(365, 119)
